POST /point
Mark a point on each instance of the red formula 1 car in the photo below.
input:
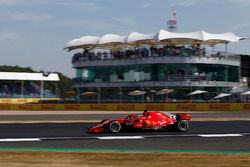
(149, 120)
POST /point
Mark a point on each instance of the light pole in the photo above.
(120, 95)
(152, 94)
(99, 95)
(22, 83)
(41, 89)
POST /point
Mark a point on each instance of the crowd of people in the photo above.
(15, 89)
(140, 52)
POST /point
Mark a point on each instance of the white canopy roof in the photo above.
(111, 38)
(22, 76)
(136, 93)
(246, 93)
(238, 89)
(85, 41)
(221, 95)
(111, 41)
(136, 37)
(196, 92)
(164, 91)
(166, 35)
(88, 94)
(162, 36)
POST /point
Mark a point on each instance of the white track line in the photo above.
(120, 137)
(19, 139)
(220, 135)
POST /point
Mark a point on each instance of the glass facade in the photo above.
(158, 72)
(121, 94)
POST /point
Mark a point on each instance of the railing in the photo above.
(170, 78)
(86, 58)
(6, 95)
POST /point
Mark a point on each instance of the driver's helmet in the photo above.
(145, 113)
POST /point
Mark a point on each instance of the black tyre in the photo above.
(115, 127)
(183, 125)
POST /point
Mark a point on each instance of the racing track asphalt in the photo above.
(87, 116)
(233, 135)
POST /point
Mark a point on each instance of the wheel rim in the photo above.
(183, 125)
(115, 127)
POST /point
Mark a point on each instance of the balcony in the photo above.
(154, 57)
(173, 81)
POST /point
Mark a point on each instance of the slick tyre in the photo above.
(183, 126)
(115, 127)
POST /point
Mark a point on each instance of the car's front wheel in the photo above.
(115, 127)
(183, 125)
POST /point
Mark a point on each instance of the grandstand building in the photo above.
(19, 87)
(160, 67)
(245, 67)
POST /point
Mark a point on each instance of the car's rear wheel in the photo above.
(115, 127)
(183, 125)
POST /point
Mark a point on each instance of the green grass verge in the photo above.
(122, 150)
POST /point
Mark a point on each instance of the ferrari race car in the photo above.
(154, 120)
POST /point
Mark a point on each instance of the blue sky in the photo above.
(33, 32)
